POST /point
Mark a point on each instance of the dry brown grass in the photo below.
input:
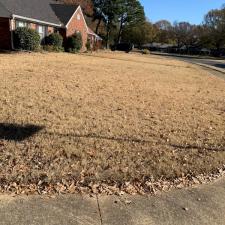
(109, 117)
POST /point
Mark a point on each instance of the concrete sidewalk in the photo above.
(201, 205)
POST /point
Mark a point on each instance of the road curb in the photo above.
(209, 67)
(182, 58)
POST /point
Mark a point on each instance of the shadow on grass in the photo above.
(141, 141)
(15, 132)
(100, 137)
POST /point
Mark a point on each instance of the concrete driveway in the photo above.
(203, 205)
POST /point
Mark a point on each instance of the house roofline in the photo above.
(94, 34)
(35, 20)
(79, 7)
(91, 32)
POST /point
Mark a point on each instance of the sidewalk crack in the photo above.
(99, 209)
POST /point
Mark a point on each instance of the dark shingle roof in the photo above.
(3, 11)
(64, 12)
(43, 10)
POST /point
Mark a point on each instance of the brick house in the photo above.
(45, 16)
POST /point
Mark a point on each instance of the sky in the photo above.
(192, 11)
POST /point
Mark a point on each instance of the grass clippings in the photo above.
(107, 123)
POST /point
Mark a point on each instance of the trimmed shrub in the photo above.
(55, 40)
(26, 39)
(74, 43)
(146, 52)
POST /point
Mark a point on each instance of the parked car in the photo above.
(126, 47)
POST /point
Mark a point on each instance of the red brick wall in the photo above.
(78, 25)
(5, 34)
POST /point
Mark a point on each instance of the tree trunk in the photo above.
(98, 25)
(107, 36)
(120, 32)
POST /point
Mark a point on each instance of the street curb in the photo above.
(185, 56)
(182, 58)
(210, 67)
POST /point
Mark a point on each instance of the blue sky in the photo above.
(192, 11)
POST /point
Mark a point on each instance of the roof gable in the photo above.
(64, 12)
(82, 15)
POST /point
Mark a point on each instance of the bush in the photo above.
(26, 39)
(74, 43)
(146, 52)
(55, 40)
(52, 48)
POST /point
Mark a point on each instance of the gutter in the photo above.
(35, 20)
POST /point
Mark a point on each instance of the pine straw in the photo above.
(107, 122)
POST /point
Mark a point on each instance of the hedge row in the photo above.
(29, 39)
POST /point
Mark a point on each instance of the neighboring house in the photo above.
(170, 48)
(45, 16)
(161, 47)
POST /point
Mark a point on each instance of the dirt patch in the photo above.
(113, 119)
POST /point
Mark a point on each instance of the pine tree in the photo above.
(130, 12)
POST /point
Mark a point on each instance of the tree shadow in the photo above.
(101, 137)
(16, 132)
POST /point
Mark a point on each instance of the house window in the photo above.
(42, 31)
(78, 16)
(21, 24)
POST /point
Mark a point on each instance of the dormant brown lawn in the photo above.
(109, 118)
